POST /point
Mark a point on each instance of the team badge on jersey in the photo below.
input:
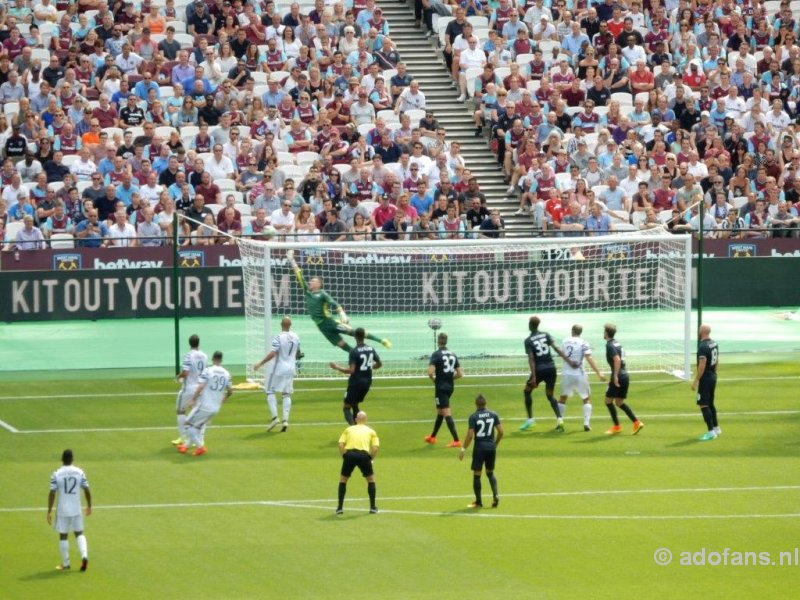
(67, 262)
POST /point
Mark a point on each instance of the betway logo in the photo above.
(124, 263)
(778, 253)
(248, 262)
(374, 259)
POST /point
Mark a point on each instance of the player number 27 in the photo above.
(485, 427)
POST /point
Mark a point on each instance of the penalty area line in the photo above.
(323, 503)
(644, 416)
(379, 386)
(8, 427)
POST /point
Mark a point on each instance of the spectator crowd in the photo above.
(645, 108)
(242, 117)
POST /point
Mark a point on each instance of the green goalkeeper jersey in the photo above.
(320, 305)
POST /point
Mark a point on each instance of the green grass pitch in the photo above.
(581, 514)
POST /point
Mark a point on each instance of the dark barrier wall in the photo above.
(98, 294)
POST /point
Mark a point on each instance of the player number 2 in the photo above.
(485, 427)
(70, 483)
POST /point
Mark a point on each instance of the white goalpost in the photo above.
(481, 293)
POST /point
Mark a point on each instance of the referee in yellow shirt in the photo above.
(358, 445)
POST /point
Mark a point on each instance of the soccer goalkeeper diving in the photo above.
(319, 305)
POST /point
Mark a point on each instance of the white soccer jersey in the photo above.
(67, 482)
(575, 348)
(285, 345)
(217, 382)
(194, 362)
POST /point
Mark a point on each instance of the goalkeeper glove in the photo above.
(343, 318)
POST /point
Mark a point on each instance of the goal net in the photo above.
(482, 292)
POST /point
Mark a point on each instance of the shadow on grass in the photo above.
(45, 575)
(684, 443)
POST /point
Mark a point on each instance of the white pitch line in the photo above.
(763, 413)
(8, 427)
(321, 502)
(381, 387)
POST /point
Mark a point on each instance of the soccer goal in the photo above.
(481, 293)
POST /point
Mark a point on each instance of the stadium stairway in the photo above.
(426, 64)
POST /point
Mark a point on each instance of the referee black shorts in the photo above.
(356, 458)
(483, 457)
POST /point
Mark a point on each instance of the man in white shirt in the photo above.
(282, 218)
(280, 377)
(121, 234)
(574, 378)
(695, 167)
(220, 166)
(630, 185)
(194, 363)
(471, 57)
(410, 98)
(213, 389)
(776, 119)
(66, 482)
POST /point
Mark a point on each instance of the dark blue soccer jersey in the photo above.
(538, 344)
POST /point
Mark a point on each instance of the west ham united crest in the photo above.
(191, 258)
(741, 250)
(67, 262)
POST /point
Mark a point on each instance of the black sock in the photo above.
(342, 490)
(554, 405)
(371, 493)
(476, 486)
(451, 425)
(437, 424)
(613, 411)
(528, 404)
(627, 410)
(493, 483)
(713, 415)
(348, 415)
(708, 417)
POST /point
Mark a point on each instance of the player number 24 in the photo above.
(366, 362)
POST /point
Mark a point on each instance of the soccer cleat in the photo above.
(429, 439)
(285, 426)
(526, 425)
(339, 511)
(708, 436)
(373, 510)
(84, 564)
(200, 451)
(182, 448)
(386, 343)
(178, 442)
(62, 567)
(637, 427)
(559, 428)
(614, 430)
(718, 431)
(495, 501)
(272, 424)
(475, 504)
(454, 444)
(587, 428)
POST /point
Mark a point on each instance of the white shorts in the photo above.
(281, 383)
(184, 396)
(571, 384)
(198, 417)
(68, 524)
